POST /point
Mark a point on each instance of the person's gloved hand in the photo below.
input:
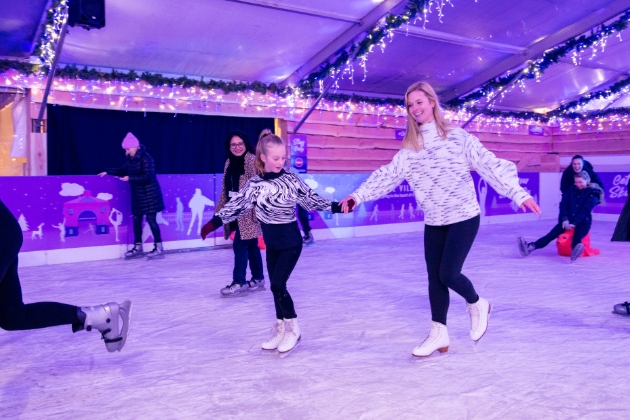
(565, 225)
(210, 227)
(571, 227)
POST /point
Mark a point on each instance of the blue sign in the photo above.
(297, 143)
(299, 163)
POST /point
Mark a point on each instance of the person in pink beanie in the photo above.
(146, 194)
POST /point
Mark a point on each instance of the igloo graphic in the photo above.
(86, 209)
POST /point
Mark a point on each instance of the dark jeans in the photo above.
(137, 228)
(580, 231)
(246, 250)
(14, 314)
(445, 250)
(280, 265)
(302, 214)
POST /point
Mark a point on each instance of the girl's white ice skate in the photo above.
(276, 337)
(479, 314)
(437, 340)
(106, 318)
(292, 335)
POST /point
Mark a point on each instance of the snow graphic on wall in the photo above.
(104, 196)
(71, 190)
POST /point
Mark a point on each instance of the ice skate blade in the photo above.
(159, 257)
(125, 313)
(134, 257)
(256, 290)
(287, 352)
(234, 296)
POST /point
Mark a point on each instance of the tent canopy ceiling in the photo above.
(255, 40)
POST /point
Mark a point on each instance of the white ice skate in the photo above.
(437, 340)
(292, 336)
(479, 314)
(106, 319)
(276, 337)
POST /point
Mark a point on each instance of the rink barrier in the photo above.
(86, 218)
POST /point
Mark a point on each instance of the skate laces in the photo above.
(474, 312)
(432, 336)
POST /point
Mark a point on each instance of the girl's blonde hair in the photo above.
(413, 137)
(265, 139)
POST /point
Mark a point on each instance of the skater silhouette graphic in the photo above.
(115, 218)
(197, 204)
(62, 230)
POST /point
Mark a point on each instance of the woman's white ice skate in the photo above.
(276, 337)
(107, 319)
(479, 314)
(292, 335)
(437, 340)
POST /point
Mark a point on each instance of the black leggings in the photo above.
(280, 265)
(580, 231)
(137, 228)
(445, 250)
(14, 314)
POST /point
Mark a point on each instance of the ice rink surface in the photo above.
(553, 349)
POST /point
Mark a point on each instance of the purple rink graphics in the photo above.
(494, 204)
(65, 212)
(61, 212)
(616, 192)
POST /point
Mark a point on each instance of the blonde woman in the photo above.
(436, 159)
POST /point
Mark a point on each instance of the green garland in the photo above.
(591, 96)
(550, 57)
(361, 48)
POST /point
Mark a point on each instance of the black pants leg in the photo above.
(445, 250)
(553, 234)
(280, 264)
(155, 228)
(14, 314)
(580, 231)
(137, 228)
(303, 217)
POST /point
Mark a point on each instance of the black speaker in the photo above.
(87, 13)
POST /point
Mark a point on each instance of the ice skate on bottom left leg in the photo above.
(111, 320)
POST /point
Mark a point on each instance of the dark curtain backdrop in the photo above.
(83, 141)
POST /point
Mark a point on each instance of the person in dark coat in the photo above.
(622, 229)
(146, 194)
(578, 164)
(111, 319)
(575, 214)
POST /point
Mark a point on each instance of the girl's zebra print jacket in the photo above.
(274, 195)
(440, 176)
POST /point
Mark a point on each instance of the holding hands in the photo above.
(348, 204)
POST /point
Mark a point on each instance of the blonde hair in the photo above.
(413, 137)
(266, 138)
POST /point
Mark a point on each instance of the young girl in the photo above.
(436, 159)
(274, 193)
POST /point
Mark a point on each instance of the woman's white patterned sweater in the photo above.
(439, 176)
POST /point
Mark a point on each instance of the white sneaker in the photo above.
(479, 314)
(276, 338)
(292, 335)
(436, 340)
